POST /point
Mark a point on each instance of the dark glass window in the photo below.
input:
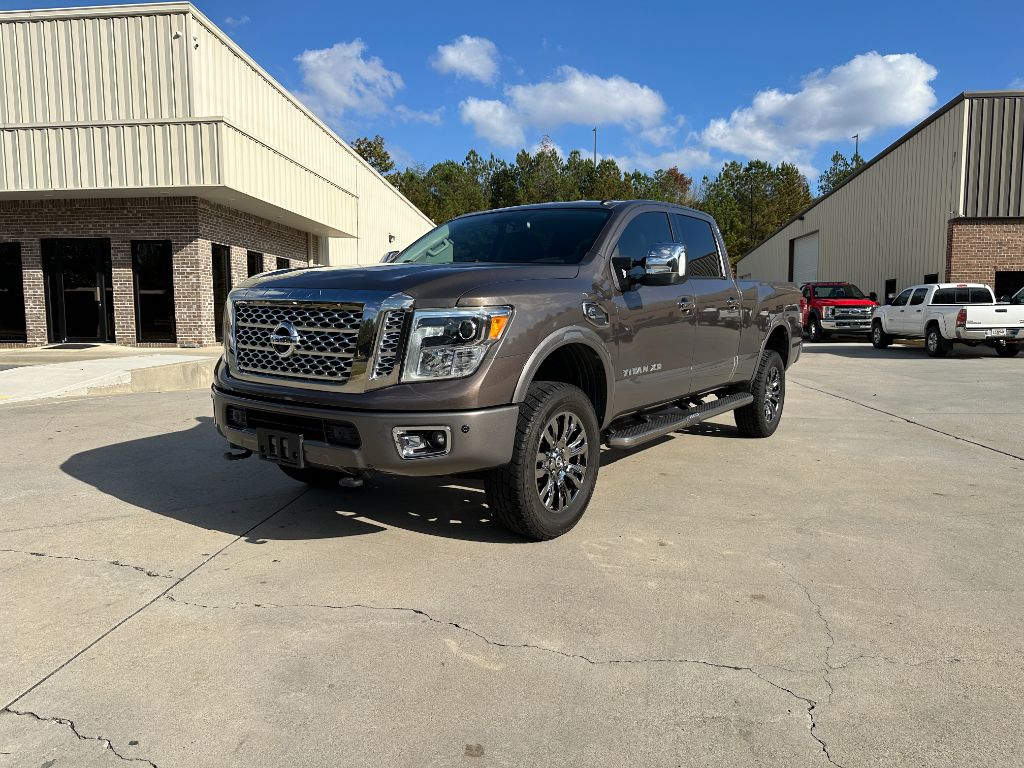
(12, 293)
(931, 278)
(283, 263)
(643, 232)
(221, 286)
(962, 296)
(890, 288)
(255, 263)
(527, 236)
(702, 259)
(902, 299)
(153, 272)
(918, 297)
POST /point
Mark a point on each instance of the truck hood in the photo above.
(428, 284)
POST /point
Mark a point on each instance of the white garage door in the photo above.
(805, 259)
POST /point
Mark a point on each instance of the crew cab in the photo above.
(947, 313)
(509, 344)
(827, 308)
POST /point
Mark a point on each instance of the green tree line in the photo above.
(749, 201)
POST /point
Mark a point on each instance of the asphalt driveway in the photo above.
(848, 592)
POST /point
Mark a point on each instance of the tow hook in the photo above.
(244, 453)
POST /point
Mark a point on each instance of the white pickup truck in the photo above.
(945, 313)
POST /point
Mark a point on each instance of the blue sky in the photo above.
(672, 83)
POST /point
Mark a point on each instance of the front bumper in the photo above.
(846, 326)
(480, 439)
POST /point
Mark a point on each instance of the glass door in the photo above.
(12, 293)
(153, 270)
(221, 286)
(79, 289)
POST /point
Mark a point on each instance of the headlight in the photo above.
(828, 311)
(450, 343)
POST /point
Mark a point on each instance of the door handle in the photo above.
(687, 304)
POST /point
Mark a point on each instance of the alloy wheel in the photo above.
(561, 466)
(772, 395)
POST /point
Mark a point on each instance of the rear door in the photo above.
(653, 331)
(717, 304)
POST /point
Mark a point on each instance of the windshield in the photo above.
(845, 291)
(538, 236)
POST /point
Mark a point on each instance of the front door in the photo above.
(718, 308)
(654, 332)
(79, 289)
(914, 315)
(12, 293)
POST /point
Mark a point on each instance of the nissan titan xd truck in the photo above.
(509, 345)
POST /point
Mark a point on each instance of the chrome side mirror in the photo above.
(665, 264)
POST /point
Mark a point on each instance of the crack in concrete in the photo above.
(908, 420)
(78, 734)
(118, 563)
(809, 704)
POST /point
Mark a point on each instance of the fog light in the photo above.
(236, 417)
(422, 442)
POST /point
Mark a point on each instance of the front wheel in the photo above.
(934, 344)
(879, 338)
(543, 492)
(814, 331)
(761, 417)
(1007, 350)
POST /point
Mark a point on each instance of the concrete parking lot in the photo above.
(849, 592)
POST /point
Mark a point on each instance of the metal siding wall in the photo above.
(995, 157)
(109, 157)
(256, 170)
(889, 222)
(382, 212)
(69, 70)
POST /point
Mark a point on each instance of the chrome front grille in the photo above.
(317, 342)
(390, 345)
(853, 313)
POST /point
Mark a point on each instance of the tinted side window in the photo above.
(918, 297)
(643, 232)
(901, 300)
(806, 291)
(980, 296)
(702, 258)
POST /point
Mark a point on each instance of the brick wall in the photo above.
(191, 224)
(977, 248)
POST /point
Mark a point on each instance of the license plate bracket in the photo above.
(283, 448)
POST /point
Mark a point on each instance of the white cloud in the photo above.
(340, 80)
(869, 93)
(475, 58)
(407, 115)
(1017, 84)
(236, 21)
(575, 98)
(493, 120)
(686, 159)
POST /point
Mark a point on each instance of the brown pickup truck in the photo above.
(510, 344)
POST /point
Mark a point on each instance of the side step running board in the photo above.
(658, 425)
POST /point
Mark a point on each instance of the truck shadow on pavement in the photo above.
(183, 475)
(862, 351)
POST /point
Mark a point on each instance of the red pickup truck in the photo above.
(827, 308)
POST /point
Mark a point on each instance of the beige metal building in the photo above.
(942, 203)
(147, 164)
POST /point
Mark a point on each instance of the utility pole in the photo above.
(856, 144)
(595, 146)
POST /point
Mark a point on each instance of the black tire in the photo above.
(934, 344)
(879, 338)
(321, 478)
(761, 418)
(514, 491)
(814, 331)
(1007, 350)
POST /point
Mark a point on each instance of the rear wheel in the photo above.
(934, 344)
(1007, 350)
(761, 417)
(879, 338)
(322, 478)
(814, 332)
(543, 492)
